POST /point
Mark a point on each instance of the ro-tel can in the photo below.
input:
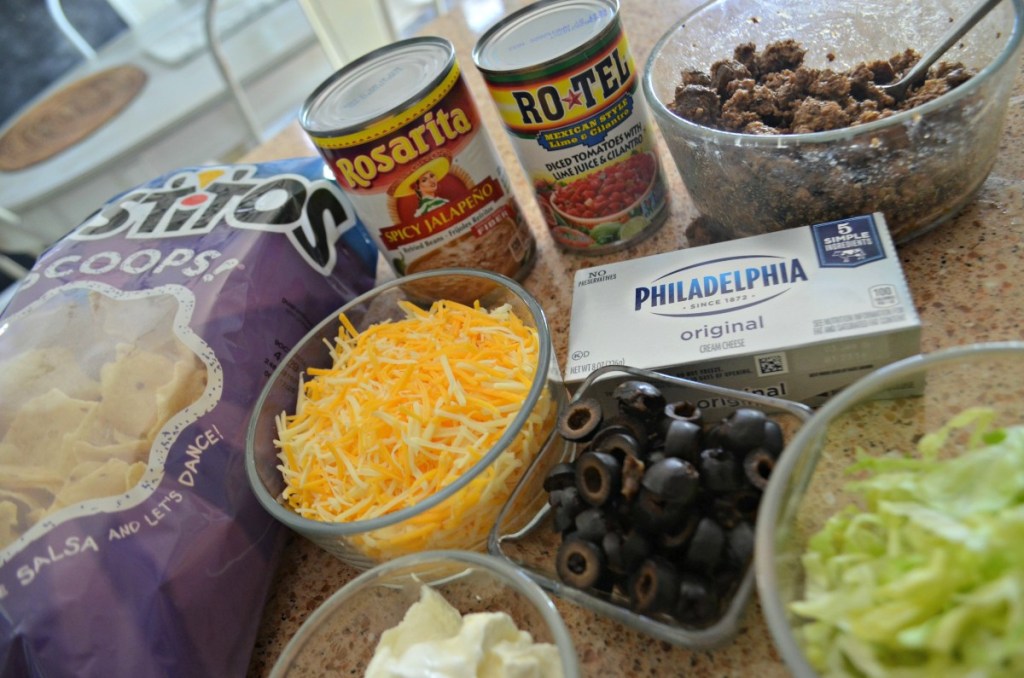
(401, 133)
(567, 89)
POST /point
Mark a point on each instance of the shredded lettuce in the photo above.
(925, 577)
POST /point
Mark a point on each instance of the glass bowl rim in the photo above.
(507, 574)
(772, 606)
(723, 137)
(321, 529)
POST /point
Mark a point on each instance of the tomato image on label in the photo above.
(608, 191)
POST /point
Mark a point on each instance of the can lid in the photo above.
(542, 32)
(377, 84)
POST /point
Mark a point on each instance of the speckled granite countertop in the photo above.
(965, 278)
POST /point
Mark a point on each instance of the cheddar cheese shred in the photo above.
(406, 408)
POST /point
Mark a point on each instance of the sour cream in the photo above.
(434, 640)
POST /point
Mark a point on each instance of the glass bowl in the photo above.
(810, 484)
(460, 514)
(340, 636)
(918, 167)
(533, 547)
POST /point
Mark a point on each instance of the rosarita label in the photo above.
(420, 169)
(436, 129)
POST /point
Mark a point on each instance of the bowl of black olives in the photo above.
(651, 522)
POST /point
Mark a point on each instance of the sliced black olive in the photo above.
(652, 514)
(757, 467)
(672, 479)
(580, 563)
(566, 505)
(718, 470)
(684, 410)
(654, 587)
(773, 442)
(655, 457)
(620, 444)
(747, 501)
(611, 544)
(580, 420)
(560, 476)
(632, 472)
(743, 429)
(675, 539)
(564, 495)
(732, 508)
(713, 435)
(739, 546)
(640, 399)
(636, 548)
(593, 524)
(598, 477)
(630, 426)
(724, 511)
(697, 602)
(704, 551)
(563, 519)
(619, 509)
(683, 439)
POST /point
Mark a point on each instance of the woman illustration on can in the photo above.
(433, 182)
(425, 187)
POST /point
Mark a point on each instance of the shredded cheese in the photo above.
(406, 408)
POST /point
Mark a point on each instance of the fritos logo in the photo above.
(312, 214)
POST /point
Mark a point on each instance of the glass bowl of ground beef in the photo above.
(775, 119)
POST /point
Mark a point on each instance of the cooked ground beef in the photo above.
(772, 92)
(917, 174)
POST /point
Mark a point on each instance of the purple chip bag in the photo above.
(130, 358)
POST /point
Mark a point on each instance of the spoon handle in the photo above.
(955, 32)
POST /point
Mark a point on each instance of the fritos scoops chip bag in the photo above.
(130, 358)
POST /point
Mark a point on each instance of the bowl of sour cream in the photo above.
(434, 613)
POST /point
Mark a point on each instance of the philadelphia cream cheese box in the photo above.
(796, 314)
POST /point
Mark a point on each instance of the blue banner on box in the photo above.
(847, 243)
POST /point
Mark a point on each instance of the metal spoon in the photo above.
(898, 90)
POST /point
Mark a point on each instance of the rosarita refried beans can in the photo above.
(401, 133)
(566, 87)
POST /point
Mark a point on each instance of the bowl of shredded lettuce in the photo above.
(890, 540)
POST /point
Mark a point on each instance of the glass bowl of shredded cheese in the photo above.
(434, 613)
(402, 422)
(889, 540)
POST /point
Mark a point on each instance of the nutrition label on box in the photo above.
(856, 321)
